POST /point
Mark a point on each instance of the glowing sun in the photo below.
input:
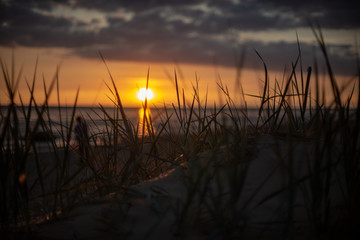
(142, 93)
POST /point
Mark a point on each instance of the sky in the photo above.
(201, 40)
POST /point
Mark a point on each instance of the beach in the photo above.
(286, 167)
(149, 209)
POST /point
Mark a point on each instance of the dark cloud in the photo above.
(47, 5)
(172, 30)
(311, 5)
(277, 55)
(282, 14)
(22, 25)
(133, 5)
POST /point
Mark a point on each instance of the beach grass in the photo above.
(211, 156)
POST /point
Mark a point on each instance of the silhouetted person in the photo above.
(82, 138)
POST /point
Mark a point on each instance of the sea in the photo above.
(57, 120)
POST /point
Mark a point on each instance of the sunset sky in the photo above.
(200, 39)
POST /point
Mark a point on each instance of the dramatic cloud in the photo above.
(171, 30)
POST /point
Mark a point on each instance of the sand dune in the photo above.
(148, 210)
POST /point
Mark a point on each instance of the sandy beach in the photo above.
(148, 210)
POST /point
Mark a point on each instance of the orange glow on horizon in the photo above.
(91, 77)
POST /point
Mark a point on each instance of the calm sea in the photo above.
(58, 120)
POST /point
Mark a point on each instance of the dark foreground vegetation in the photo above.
(37, 187)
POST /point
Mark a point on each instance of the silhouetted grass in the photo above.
(211, 157)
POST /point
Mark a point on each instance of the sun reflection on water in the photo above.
(145, 122)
